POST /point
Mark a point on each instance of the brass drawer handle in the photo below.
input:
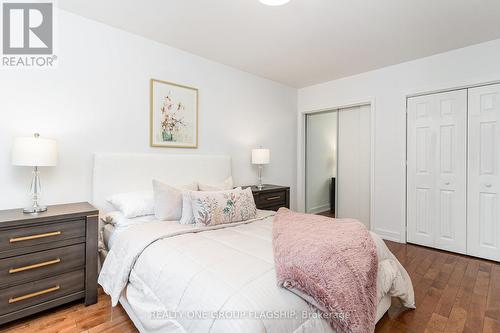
(42, 264)
(38, 293)
(49, 234)
(273, 198)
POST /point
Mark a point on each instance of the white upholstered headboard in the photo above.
(117, 173)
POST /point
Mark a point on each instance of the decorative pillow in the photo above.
(224, 186)
(133, 204)
(111, 217)
(213, 208)
(187, 208)
(168, 200)
(119, 220)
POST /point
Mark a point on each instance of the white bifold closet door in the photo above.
(353, 165)
(483, 224)
(436, 170)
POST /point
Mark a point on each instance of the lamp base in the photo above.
(35, 210)
(260, 186)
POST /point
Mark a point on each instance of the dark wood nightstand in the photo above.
(271, 197)
(47, 259)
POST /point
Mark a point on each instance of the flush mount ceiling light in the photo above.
(274, 2)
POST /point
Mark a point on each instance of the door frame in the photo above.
(301, 151)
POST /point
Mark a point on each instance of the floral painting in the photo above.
(174, 115)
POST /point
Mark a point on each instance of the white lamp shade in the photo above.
(261, 156)
(274, 2)
(34, 151)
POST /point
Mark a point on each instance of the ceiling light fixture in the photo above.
(274, 2)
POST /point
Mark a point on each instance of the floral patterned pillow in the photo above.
(213, 208)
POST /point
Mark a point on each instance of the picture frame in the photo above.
(173, 115)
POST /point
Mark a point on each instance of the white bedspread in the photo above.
(173, 272)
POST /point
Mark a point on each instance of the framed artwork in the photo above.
(174, 115)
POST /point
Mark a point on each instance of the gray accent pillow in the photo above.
(168, 201)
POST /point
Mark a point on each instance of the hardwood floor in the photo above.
(76, 317)
(454, 293)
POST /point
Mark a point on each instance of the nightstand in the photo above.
(271, 197)
(47, 259)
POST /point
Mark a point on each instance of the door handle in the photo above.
(447, 183)
(488, 185)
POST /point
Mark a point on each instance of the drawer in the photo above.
(31, 267)
(272, 198)
(33, 293)
(23, 238)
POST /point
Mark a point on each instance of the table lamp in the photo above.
(260, 156)
(35, 152)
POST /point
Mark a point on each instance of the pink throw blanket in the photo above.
(331, 263)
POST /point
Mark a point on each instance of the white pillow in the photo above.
(187, 209)
(119, 220)
(168, 200)
(224, 186)
(133, 204)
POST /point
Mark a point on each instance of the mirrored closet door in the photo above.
(321, 162)
(338, 159)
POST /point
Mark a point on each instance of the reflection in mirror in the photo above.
(321, 162)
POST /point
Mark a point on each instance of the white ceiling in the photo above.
(305, 41)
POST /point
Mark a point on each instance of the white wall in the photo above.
(97, 100)
(388, 87)
(321, 160)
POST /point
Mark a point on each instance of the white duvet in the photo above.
(182, 278)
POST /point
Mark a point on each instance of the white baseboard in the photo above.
(319, 209)
(388, 235)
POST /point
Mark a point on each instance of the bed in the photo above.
(182, 278)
